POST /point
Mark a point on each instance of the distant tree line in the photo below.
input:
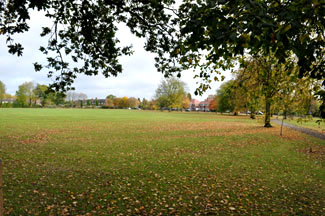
(171, 94)
(123, 102)
(30, 94)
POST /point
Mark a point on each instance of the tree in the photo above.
(189, 96)
(171, 93)
(125, 102)
(152, 105)
(264, 78)
(82, 96)
(213, 104)
(186, 103)
(73, 97)
(59, 98)
(25, 94)
(144, 104)
(271, 76)
(2, 91)
(321, 96)
(85, 32)
(251, 90)
(111, 97)
(109, 103)
(215, 33)
(41, 92)
(133, 102)
(117, 102)
(230, 98)
(225, 95)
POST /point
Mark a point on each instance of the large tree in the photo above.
(265, 79)
(49, 97)
(266, 76)
(251, 90)
(226, 95)
(171, 93)
(41, 92)
(25, 94)
(133, 102)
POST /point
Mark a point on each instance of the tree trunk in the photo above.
(253, 111)
(281, 126)
(285, 112)
(322, 110)
(267, 112)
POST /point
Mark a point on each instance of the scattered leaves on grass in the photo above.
(202, 164)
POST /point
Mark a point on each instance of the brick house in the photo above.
(204, 106)
(194, 105)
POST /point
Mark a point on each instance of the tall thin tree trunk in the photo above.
(267, 112)
(285, 112)
(252, 114)
(281, 126)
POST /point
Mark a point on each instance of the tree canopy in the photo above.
(205, 35)
(225, 30)
(84, 33)
(25, 94)
(171, 93)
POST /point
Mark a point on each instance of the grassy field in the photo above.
(308, 123)
(128, 162)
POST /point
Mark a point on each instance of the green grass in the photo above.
(100, 162)
(308, 123)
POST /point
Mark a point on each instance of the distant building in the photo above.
(194, 105)
(101, 102)
(204, 106)
(10, 100)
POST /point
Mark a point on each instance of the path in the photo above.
(300, 129)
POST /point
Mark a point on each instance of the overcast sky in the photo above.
(139, 78)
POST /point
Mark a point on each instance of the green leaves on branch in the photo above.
(84, 33)
(205, 36)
